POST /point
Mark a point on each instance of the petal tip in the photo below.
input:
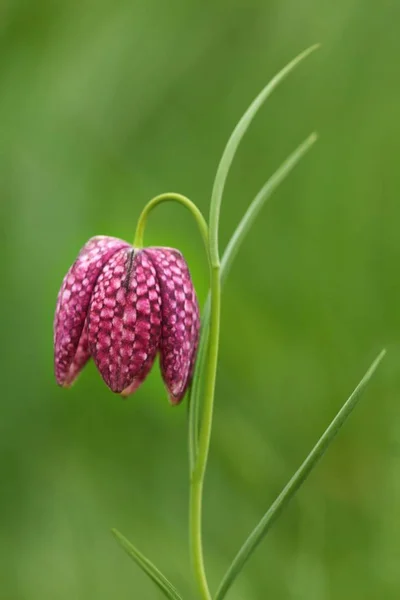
(132, 387)
(175, 400)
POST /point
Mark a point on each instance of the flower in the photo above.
(121, 306)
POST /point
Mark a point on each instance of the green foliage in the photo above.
(103, 106)
(233, 144)
(147, 566)
(262, 528)
(229, 254)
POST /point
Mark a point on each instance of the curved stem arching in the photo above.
(170, 197)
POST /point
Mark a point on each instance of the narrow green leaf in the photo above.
(230, 253)
(155, 575)
(294, 484)
(232, 146)
(263, 195)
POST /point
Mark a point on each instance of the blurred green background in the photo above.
(104, 104)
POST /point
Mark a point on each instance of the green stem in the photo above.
(138, 243)
(170, 197)
(199, 469)
(197, 479)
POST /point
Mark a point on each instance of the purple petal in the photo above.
(124, 323)
(81, 357)
(195, 336)
(180, 320)
(72, 306)
(135, 384)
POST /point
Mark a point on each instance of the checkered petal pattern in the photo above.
(124, 321)
(180, 320)
(121, 306)
(70, 340)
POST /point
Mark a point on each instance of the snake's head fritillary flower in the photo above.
(121, 306)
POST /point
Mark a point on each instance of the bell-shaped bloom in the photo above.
(121, 306)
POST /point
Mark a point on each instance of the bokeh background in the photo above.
(104, 104)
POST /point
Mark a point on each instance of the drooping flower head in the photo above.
(122, 306)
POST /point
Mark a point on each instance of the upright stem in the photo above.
(197, 475)
(197, 479)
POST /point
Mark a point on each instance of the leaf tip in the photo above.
(380, 357)
(310, 49)
(373, 367)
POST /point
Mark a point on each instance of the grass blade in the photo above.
(155, 575)
(257, 204)
(216, 199)
(294, 484)
(233, 143)
(230, 252)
